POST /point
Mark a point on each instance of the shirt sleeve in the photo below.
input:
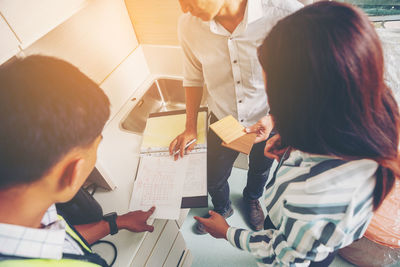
(295, 243)
(192, 67)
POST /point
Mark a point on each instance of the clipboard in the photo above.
(161, 129)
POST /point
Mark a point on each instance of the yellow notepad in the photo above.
(160, 131)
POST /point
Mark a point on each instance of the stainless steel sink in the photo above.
(162, 95)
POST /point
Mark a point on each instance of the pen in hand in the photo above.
(186, 146)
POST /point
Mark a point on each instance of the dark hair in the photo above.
(47, 108)
(324, 70)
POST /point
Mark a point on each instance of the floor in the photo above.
(211, 252)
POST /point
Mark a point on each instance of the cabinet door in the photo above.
(187, 259)
(31, 19)
(163, 246)
(176, 253)
(148, 244)
(9, 43)
(96, 39)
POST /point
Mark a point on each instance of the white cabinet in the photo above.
(31, 19)
(163, 245)
(187, 259)
(96, 39)
(149, 241)
(177, 252)
(9, 43)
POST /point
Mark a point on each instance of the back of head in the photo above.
(325, 85)
(47, 108)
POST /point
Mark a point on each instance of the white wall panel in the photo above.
(31, 19)
(96, 39)
(8, 44)
(123, 82)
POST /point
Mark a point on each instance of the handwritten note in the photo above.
(196, 172)
(159, 182)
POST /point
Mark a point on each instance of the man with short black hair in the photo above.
(51, 118)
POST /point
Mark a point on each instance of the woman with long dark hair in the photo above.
(339, 125)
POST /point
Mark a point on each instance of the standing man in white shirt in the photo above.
(219, 39)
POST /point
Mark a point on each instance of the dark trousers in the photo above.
(219, 166)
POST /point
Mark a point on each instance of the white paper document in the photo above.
(196, 174)
(159, 182)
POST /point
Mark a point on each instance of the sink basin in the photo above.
(162, 95)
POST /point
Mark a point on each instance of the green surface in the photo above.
(377, 7)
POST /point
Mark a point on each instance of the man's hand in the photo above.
(216, 225)
(136, 221)
(273, 148)
(180, 142)
(262, 128)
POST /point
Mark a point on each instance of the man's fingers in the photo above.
(151, 210)
(191, 147)
(179, 142)
(172, 146)
(182, 148)
(149, 228)
(253, 128)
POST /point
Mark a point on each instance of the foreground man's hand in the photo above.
(180, 142)
(216, 225)
(136, 221)
(262, 128)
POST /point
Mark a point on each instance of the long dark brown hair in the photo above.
(325, 83)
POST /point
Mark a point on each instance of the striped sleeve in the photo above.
(294, 243)
(316, 212)
(312, 225)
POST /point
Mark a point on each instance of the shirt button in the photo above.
(238, 82)
(240, 101)
(241, 120)
(235, 61)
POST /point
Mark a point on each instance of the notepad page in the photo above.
(159, 182)
(196, 173)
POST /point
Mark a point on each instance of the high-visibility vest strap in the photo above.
(75, 236)
(46, 262)
(89, 259)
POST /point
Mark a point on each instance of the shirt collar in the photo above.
(50, 216)
(254, 11)
(46, 242)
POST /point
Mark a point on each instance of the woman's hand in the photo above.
(216, 225)
(274, 149)
(136, 221)
(262, 128)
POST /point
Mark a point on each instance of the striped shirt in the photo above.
(318, 205)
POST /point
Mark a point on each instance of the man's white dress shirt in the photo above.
(227, 63)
